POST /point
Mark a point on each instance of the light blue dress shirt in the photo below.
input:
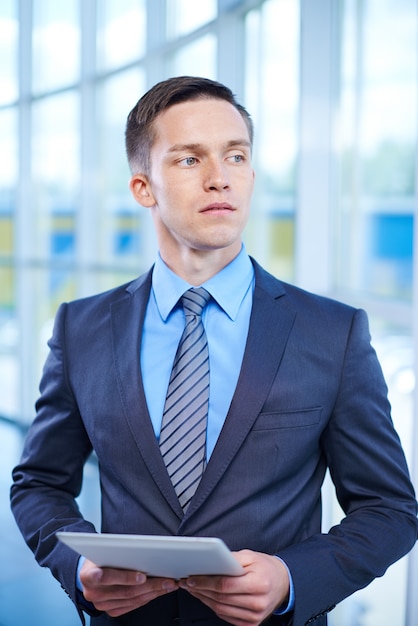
(226, 319)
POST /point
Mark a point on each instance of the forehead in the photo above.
(200, 120)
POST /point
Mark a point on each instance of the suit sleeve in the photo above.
(372, 484)
(48, 478)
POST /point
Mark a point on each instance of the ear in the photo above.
(141, 190)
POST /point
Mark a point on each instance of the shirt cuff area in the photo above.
(281, 610)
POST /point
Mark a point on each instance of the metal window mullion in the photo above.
(312, 223)
(412, 584)
(230, 33)
(155, 63)
(24, 218)
(86, 222)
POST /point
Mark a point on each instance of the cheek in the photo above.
(174, 191)
(173, 213)
(246, 191)
(245, 183)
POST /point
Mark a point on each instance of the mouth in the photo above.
(217, 207)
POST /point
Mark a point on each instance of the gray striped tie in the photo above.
(183, 428)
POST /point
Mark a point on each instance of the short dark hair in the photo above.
(140, 134)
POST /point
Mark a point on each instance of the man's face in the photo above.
(201, 179)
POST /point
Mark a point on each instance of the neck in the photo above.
(198, 266)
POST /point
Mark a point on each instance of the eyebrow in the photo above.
(233, 143)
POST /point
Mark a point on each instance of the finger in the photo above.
(117, 607)
(218, 584)
(150, 586)
(236, 613)
(105, 576)
(119, 599)
(226, 584)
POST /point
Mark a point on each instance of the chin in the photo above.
(220, 244)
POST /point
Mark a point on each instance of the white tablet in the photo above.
(171, 557)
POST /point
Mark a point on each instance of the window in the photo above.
(378, 148)
(9, 29)
(184, 17)
(56, 44)
(9, 362)
(121, 33)
(56, 175)
(119, 236)
(197, 58)
(272, 94)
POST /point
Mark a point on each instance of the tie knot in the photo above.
(195, 300)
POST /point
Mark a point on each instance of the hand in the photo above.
(245, 600)
(117, 591)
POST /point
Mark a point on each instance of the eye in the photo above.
(236, 158)
(188, 161)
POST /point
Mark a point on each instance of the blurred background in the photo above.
(332, 88)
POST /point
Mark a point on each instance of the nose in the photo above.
(216, 176)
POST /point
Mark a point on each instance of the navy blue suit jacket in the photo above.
(310, 396)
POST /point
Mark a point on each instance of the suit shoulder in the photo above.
(94, 310)
(307, 304)
(296, 294)
(305, 297)
(109, 296)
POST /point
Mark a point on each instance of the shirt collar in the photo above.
(228, 287)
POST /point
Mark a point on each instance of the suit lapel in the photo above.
(270, 325)
(127, 318)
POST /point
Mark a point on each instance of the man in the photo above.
(295, 388)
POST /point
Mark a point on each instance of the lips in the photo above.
(218, 206)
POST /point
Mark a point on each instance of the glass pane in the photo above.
(8, 179)
(184, 16)
(56, 176)
(197, 59)
(121, 35)
(8, 51)
(271, 97)
(119, 218)
(377, 138)
(56, 44)
(9, 364)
